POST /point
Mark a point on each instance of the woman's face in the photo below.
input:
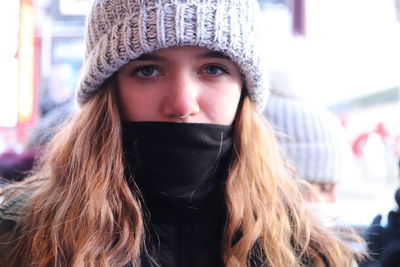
(180, 84)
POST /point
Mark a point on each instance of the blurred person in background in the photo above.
(314, 141)
(16, 166)
(50, 123)
(315, 144)
(377, 151)
(169, 161)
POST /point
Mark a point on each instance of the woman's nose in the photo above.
(181, 97)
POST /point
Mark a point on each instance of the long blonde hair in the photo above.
(267, 208)
(82, 212)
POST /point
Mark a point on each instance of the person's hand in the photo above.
(376, 237)
(384, 242)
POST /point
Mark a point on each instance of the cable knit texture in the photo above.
(121, 30)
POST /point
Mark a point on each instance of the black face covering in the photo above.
(178, 167)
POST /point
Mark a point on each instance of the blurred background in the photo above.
(342, 54)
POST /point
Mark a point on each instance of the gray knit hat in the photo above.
(312, 138)
(121, 30)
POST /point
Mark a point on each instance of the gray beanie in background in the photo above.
(119, 31)
(312, 138)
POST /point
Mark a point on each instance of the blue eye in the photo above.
(215, 70)
(146, 71)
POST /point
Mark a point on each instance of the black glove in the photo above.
(384, 242)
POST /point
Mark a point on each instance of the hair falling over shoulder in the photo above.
(82, 212)
(268, 221)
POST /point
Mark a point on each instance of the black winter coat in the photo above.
(193, 239)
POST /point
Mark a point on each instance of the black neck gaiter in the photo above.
(178, 167)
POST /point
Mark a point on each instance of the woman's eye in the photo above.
(146, 71)
(215, 70)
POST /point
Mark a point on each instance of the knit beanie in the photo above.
(311, 137)
(119, 31)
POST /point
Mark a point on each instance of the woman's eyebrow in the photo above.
(148, 57)
(214, 54)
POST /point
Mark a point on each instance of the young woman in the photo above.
(168, 162)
